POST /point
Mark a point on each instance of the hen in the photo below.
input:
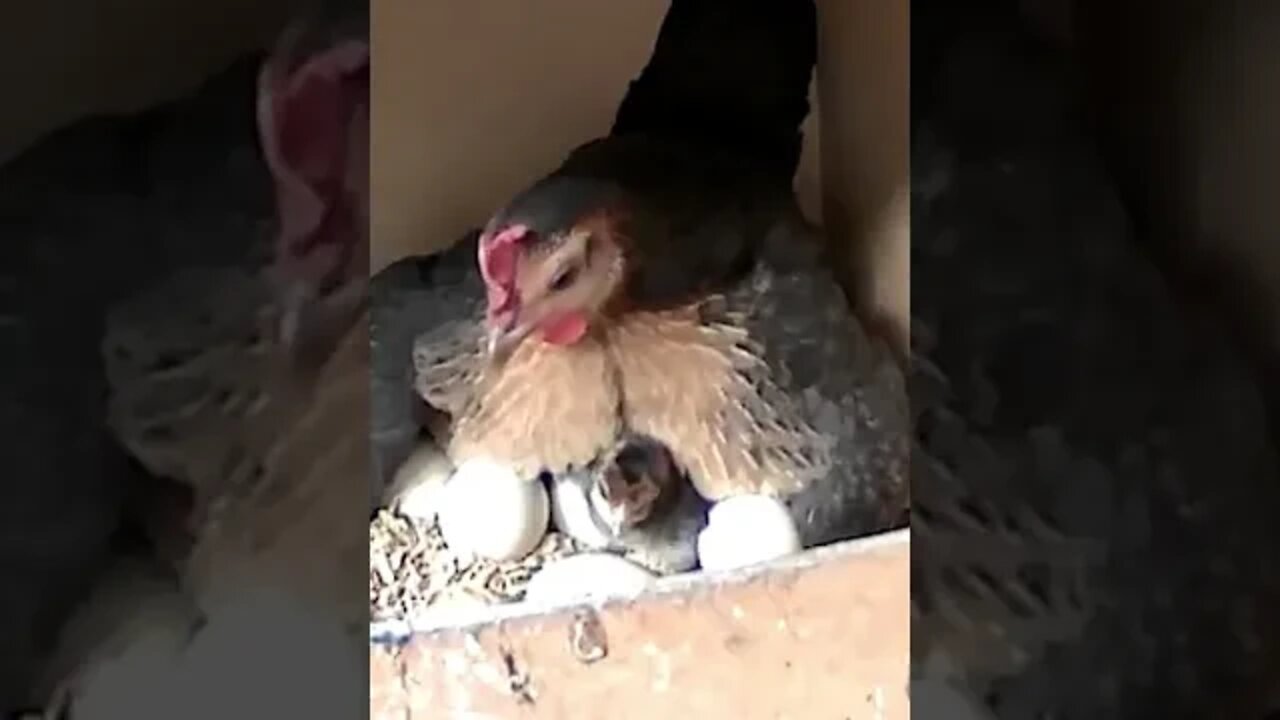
(662, 282)
(743, 92)
(1095, 477)
(245, 380)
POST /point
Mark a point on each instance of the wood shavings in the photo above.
(412, 571)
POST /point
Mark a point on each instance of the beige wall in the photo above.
(863, 77)
(62, 59)
(470, 103)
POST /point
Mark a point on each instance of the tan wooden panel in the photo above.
(824, 635)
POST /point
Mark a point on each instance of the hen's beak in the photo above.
(504, 337)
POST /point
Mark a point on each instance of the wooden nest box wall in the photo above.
(472, 103)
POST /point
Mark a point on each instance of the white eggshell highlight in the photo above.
(419, 483)
(488, 511)
(745, 530)
(585, 576)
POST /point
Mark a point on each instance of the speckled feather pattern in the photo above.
(547, 408)
(439, 298)
(837, 392)
(1094, 502)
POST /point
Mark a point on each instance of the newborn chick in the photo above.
(637, 503)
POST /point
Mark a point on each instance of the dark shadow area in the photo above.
(184, 370)
(1095, 483)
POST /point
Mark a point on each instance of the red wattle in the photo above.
(565, 329)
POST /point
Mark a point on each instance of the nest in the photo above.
(413, 572)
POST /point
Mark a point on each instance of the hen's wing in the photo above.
(845, 384)
(774, 387)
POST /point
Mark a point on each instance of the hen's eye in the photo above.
(564, 278)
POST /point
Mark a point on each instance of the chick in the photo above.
(762, 383)
(636, 502)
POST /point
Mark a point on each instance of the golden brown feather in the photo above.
(545, 408)
(694, 386)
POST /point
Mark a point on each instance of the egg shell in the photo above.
(487, 510)
(587, 575)
(417, 486)
(745, 530)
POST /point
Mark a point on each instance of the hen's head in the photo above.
(551, 261)
(635, 485)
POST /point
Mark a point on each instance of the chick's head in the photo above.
(635, 485)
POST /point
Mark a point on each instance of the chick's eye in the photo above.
(564, 278)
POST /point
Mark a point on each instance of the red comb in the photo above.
(498, 253)
(307, 110)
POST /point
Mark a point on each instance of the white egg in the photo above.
(587, 575)
(745, 530)
(488, 511)
(418, 483)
